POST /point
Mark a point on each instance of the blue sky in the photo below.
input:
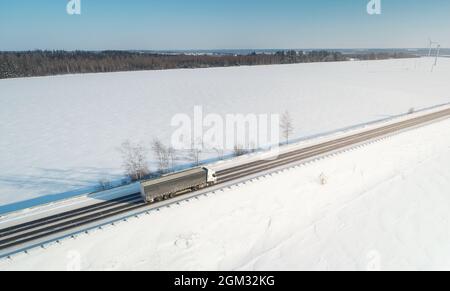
(219, 24)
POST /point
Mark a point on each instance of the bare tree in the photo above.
(161, 153)
(239, 151)
(195, 152)
(172, 154)
(194, 156)
(286, 126)
(134, 160)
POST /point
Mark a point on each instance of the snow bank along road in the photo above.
(18, 235)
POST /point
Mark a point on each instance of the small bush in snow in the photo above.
(411, 110)
(239, 151)
(104, 184)
(323, 180)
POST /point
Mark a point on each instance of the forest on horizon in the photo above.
(48, 63)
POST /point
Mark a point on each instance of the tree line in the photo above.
(46, 63)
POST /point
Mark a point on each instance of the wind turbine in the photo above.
(437, 57)
(431, 43)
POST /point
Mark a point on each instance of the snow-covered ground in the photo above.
(59, 135)
(383, 206)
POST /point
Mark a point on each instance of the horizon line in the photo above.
(218, 49)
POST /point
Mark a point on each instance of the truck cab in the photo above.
(211, 176)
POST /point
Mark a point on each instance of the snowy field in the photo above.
(384, 206)
(59, 135)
